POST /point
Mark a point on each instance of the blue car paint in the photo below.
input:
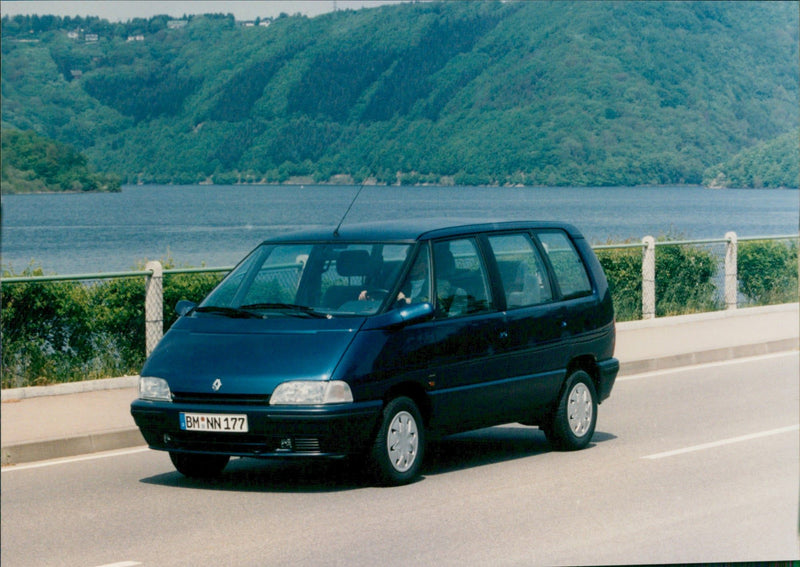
(248, 355)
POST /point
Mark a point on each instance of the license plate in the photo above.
(217, 422)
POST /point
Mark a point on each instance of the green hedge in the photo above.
(684, 280)
(623, 268)
(71, 331)
(768, 271)
(686, 275)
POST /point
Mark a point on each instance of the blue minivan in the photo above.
(365, 341)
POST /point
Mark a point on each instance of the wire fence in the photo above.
(60, 328)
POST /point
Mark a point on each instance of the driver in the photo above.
(416, 288)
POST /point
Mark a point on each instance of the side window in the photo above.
(567, 265)
(522, 271)
(417, 286)
(460, 278)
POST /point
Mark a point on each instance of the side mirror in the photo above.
(400, 317)
(184, 306)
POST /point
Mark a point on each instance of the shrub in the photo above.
(685, 280)
(119, 310)
(44, 327)
(623, 268)
(768, 271)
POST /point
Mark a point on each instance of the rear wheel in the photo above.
(196, 465)
(572, 425)
(400, 443)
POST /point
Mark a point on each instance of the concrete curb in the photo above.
(70, 388)
(71, 446)
(706, 356)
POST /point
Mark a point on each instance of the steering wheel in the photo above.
(377, 293)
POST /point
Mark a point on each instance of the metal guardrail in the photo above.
(698, 241)
(110, 275)
(153, 274)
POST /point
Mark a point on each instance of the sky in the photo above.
(119, 10)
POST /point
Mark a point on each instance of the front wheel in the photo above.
(197, 465)
(400, 443)
(572, 425)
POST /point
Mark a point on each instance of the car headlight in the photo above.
(155, 389)
(311, 392)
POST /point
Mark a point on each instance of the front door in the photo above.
(469, 331)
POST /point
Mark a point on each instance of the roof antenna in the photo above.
(353, 202)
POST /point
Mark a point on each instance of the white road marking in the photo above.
(122, 564)
(723, 442)
(67, 460)
(743, 359)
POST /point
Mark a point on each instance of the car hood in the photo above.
(248, 356)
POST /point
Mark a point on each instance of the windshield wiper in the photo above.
(228, 311)
(290, 307)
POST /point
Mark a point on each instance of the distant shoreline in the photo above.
(297, 183)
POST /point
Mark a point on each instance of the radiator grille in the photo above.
(223, 399)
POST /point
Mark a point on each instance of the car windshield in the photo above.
(309, 280)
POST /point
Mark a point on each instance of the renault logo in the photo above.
(216, 385)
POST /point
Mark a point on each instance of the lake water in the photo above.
(217, 225)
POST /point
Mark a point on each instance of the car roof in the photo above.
(414, 229)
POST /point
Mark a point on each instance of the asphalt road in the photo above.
(690, 465)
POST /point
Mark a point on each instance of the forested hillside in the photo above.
(35, 164)
(770, 164)
(534, 93)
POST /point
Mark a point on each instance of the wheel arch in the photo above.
(416, 393)
(588, 364)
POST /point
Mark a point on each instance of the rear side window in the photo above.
(522, 272)
(569, 269)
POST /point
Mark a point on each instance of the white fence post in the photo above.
(731, 271)
(648, 278)
(153, 306)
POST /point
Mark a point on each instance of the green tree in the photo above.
(32, 162)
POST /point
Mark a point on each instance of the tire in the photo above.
(572, 424)
(196, 465)
(399, 445)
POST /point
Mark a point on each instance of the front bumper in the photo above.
(330, 431)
